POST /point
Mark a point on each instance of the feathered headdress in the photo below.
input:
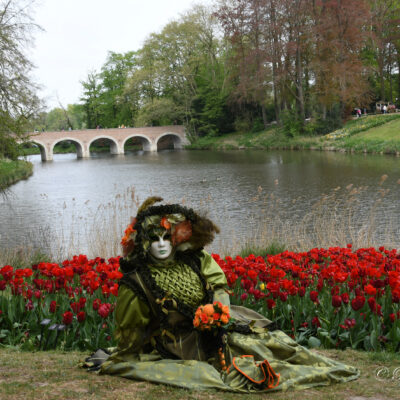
(189, 230)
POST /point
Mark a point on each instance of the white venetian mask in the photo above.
(161, 249)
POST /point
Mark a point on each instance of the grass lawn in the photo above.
(389, 132)
(358, 135)
(55, 375)
(380, 139)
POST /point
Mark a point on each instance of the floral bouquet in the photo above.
(211, 316)
(215, 317)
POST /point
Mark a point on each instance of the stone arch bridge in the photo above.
(149, 138)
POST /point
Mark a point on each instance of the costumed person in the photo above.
(167, 276)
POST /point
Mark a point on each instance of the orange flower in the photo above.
(225, 310)
(224, 318)
(196, 321)
(208, 309)
(128, 231)
(165, 223)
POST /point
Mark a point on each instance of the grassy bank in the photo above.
(13, 171)
(370, 134)
(50, 375)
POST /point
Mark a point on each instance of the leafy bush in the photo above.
(292, 126)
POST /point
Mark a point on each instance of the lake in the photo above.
(82, 206)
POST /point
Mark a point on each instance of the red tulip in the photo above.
(67, 318)
(53, 306)
(271, 303)
(358, 302)
(96, 304)
(314, 296)
(315, 322)
(336, 301)
(81, 316)
(75, 307)
(370, 290)
(345, 298)
(283, 296)
(104, 310)
(372, 304)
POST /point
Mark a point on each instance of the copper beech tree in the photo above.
(298, 52)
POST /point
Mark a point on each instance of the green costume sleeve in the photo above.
(214, 275)
(132, 316)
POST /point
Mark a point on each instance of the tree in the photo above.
(340, 35)
(18, 100)
(92, 100)
(116, 106)
(244, 24)
(161, 111)
(385, 44)
(181, 69)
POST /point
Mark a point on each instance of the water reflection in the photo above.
(64, 196)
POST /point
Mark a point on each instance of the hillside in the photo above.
(371, 134)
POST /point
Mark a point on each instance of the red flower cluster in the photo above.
(340, 283)
(68, 294)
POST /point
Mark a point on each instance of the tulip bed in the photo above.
(332, 298)
(69, 305)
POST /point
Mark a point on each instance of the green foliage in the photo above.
(13, 171)
(321, 126)
(292, 126)
(18, 100)
(161, 111)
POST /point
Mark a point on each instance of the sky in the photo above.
(78, 34)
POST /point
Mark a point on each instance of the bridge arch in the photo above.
(176, 139)
(80, 148)
(145, 141)
(114, 148)
(42, 148)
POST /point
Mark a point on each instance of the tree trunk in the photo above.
(398, 78)
(299, 85)
(275, 58)
(389, 70)
(381, 66)
(275, 83)
(264, 116)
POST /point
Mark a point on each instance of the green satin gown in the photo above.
(157, 342)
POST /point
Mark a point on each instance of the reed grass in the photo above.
(335, 219)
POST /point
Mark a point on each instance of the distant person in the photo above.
(384, 109)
